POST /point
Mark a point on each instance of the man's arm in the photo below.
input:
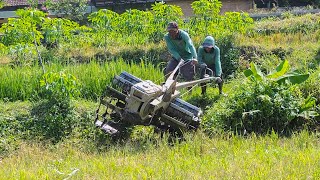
(189, 44)
(217, 61)
(200, 55)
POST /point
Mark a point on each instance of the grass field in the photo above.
(268, 157)
(146, 156)
(29, 150)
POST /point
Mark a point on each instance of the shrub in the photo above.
(53, 115)
(23, 29)
(1, 4)
(8, 135)
(264, 103)
(22, 54)
(71, 9)
(162, 15)
(229, 55)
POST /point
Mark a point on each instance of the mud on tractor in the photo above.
(130, 101)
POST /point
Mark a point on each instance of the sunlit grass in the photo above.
(277, 40)
(300, 49)
(22, 83)
(199, 157)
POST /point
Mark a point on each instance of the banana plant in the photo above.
(281, 74)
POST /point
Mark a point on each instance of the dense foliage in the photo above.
(108, 29)
(70, 9)
(265, 103)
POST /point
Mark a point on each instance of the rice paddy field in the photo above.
(53, 71)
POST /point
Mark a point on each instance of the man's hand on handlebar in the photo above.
(194, 61)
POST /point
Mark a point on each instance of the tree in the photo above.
(71, 9)
(1, 4)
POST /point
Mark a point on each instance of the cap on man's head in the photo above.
(172, 25)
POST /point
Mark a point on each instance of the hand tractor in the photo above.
(130, 101)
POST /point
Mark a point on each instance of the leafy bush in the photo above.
(162, 15)
(1, 4)
(52, 121)
(8, 135)
(70, 9)
(229, 55)
(12, 125)
(59, 86)
(23, 29)
(264, 103)
(23, 54)
(311, 87)
(53, 116)
(56, 31)
(7, 145)
(109, 29)
(103, 22)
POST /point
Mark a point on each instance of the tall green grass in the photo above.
(222, 157)
(23, 83)
(18, 83)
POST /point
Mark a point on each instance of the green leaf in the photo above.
(280, 70)
(247, 72)
(293, 77)
(256, 71)
(309, 103)
(308, 114)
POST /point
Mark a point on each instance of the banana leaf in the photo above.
(280, 70)
(293, 77)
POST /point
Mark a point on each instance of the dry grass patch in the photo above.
(4, 60)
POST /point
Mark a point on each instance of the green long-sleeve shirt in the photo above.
(181, 47)
(210, 58)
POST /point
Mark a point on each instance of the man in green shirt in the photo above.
(209, 56)
(180, 47)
